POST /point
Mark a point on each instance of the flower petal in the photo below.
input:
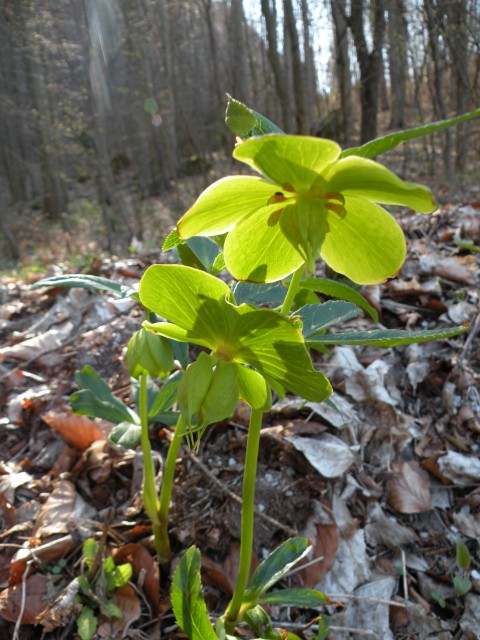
(367, 245)
(257, 250)
(304, 227)
(366, 178)
(224, 203)
(291, 160)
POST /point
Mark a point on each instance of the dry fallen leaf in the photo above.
(329, 455)
(408, 488)
(321, 528)
(127, 600)
(77, 431)
(145, 570)
(39, 591)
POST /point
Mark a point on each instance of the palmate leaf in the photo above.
(392, 140)
(187, 599)
(85, 281)
(316, 317)
(384, 337)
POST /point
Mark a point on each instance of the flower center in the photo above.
(333, 200)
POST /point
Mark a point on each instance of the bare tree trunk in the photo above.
(342, 69)
(368, 61)
(434, 18)
(238, 58)
(398, 60)
(309, 65)
(273, 57)
(301, 120)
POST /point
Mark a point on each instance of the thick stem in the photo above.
(162, 542)
(292, 291)
(248, 506)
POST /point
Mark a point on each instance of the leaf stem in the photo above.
(162, 542)
(247, 526)
(292, 291)
(149, 489)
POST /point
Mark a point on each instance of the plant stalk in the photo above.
(162, 541)
(149, 489)
(292, 291)
(247, 526)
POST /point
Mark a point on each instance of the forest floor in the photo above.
(384, 486)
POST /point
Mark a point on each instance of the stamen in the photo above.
(274, 217)
(335, 195)
(286, 186)
(336, 208)
(277, 197)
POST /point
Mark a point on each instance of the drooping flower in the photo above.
(309, 203)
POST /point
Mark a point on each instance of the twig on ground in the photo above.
(237, 499)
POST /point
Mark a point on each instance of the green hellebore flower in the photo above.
(309, 202)
(262, 345)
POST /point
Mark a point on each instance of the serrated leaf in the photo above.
(462, 554)
(172, 241)
(336, 289)
(276, 565)
(385, 337)
(85, 281)
(86, 624)
(316, 317)
(187, 599)
(392, 140)
(246, 122)
(295, 598)
(461, 585)
(95, 399)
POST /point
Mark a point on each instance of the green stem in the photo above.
(149, 489)
(248, 506)
(162, 542)
(292, 291)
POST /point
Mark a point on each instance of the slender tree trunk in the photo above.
(309, 65)
(301, 119)
(368, 61)
(398, 60)
(342, 69)
(238, 58)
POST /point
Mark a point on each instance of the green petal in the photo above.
(254, 389)
(258, 251)
(304, 227)
(362, 177)
(367, 245)
(275, 347)
(223, 204)
(192, 299)
(294, 160)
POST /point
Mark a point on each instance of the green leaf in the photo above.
(323, 631)
(295, 598)
(439, 599)
(464, 244)
(96, 399)
(385, 337)
(272, 294)
(126, 435)
(84, 281)
(392, 140)
(119, 576)
(148, 353)
(86, 624)
(276, 565)
(172, 241)
(316, 317)
(166, 396)
(462, 554)
(336, 289)
(259, 621)
(187, 599)
(246, 122)
(461, 585)
(89, 551)
(111, 610)
(205, 249)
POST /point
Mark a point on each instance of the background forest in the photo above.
(106, 104)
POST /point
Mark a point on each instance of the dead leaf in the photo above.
(145, 570)
(127, 600)
(63, 508)
(329, 455)
(38, 594)
(408, 488)
(386, 532)
(63, 610)
(459, 468)
(77, 431)
(321, 528)
(41, 344)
